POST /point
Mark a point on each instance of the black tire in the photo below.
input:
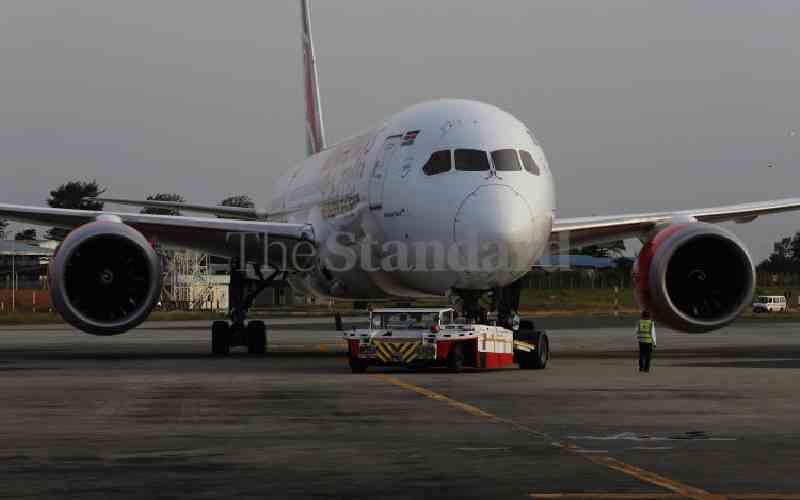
(256, 338)
(358, 365)
(220, 338)
(455, 359)
(536, 360)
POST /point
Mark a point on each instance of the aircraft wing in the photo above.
(220, 211)
(212, 235)
(583, 231)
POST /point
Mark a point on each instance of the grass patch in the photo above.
(550, 302)
(576, 299)
(31, 318)
(186, 316)
(602, 301)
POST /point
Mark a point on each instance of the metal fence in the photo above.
(24, 300)
(577, 279)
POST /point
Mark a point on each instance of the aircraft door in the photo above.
(376, 180)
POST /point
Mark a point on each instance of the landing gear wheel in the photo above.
(455, 360)
(220, 338)
(536, 360)
(256, 338)
(358, 365)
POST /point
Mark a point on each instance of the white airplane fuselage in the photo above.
(373, 189)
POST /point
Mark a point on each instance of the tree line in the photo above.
(785, 257)
(79, 195)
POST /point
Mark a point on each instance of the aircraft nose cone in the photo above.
(494, 231)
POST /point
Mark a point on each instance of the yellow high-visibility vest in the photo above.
(645, 331)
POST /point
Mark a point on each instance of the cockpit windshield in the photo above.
(506, 160)
(404, 320)
(529, 162)
(438, 163)
(476, 160)
(471, 160)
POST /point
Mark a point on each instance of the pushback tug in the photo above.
(421, 338)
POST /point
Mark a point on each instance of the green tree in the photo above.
(785, 257)
(164, 197)
(615, 249)
(74, 195)
(240, 200)
(26, 235)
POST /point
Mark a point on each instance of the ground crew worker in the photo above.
(646, 334)
(515, 321)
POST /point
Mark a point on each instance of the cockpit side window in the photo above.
(471, 160)
(439, 163)
(528, 161)
(506, 160)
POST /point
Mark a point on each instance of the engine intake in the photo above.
(694, 277)
(105, 278)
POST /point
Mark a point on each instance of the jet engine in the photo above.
(694, 277)
(105, 278)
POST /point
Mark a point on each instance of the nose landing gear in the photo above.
(504, 300)
(238, 331)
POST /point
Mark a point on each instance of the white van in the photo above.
(769, 303)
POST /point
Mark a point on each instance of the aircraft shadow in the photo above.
(44, 355)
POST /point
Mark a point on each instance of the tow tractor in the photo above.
(420, 338)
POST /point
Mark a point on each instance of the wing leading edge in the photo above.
(216, 236)
(583, 231)
(220, 211)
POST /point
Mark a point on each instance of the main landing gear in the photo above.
(238, 331)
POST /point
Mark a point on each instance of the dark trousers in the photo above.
(645, 353)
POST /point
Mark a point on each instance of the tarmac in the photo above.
(151, 415)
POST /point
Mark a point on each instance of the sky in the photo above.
(640, 105)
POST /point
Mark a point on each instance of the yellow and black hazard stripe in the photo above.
(392, 352)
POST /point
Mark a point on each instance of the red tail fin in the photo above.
(315, 131)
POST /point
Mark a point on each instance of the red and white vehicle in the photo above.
(418, 338)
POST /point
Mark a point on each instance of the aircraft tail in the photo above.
(315, 130)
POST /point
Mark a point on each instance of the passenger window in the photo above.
(530, 164)
(438, 163)
(471, 160)
(506, 160)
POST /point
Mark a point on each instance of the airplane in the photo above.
(465, 181)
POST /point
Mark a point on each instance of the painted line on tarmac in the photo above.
(605, 496)
(657, 496)
(472, 410)
(764, 496)
(683, 490)
(653, 478)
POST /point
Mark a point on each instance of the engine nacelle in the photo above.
(694, 277)
(105, 278)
